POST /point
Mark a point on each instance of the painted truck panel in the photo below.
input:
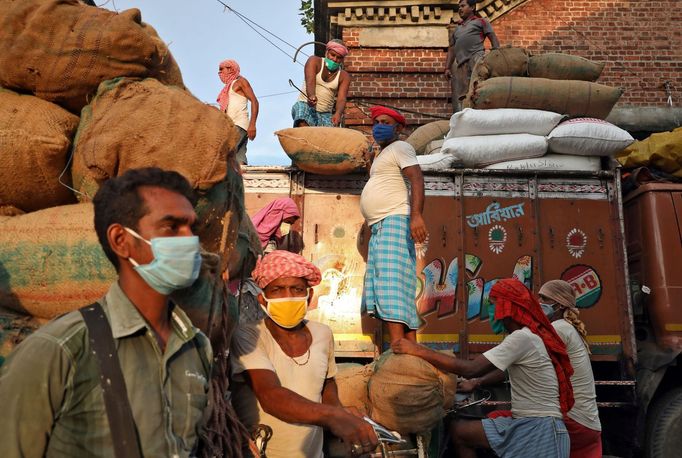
(483, 225)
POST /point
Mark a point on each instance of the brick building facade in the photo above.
(398, 47)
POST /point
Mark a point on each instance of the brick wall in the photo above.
(641, 43)
(409, 78)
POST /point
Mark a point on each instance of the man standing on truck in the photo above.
(283, 367)
(557, 300)
(50, 391)
(466, 48)
(539, 372)
(394, 216)
(326, 88)
(233, 100)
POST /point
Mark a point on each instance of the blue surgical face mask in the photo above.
(331, 65)
(176, 263)
(548, 309)
(383, 132)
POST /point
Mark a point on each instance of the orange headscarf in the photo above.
(513, 300)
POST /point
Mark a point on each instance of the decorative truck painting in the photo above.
(483, 225)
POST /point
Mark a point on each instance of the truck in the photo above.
(534, 225)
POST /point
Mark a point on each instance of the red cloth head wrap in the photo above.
(337, 47)
(280, 263)
(513, 300)
(378, 110)
(228, 76)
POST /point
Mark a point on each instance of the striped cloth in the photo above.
(545, 437)
(301, 111)
(391, 275)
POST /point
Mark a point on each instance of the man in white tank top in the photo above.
(233, 100)
(328, 84)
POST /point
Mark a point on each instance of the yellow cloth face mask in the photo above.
(287, 312)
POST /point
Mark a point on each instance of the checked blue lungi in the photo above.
(301, 111)
(527, 437)
(391, 275)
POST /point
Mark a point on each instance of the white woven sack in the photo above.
(497, 121)
(484, 150)
(560, 162)
(588, 137)
(437, 161)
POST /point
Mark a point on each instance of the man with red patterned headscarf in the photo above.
(325, 90)
(283, 366)
(233, 100)
(539, 371)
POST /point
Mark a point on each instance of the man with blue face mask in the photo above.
(283, 367)
(50, 386)
(326, 88)
(394, 215)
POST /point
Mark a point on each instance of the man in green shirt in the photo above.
(50, 389)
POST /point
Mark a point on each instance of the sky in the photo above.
(201, 33)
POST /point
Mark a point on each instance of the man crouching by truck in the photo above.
(539, 373)
(283, 367)
(152, 364)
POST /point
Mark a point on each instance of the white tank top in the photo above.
(325, 91)
(237, 108)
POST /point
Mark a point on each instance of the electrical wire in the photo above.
(248, 22)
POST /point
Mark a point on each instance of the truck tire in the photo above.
(664, 426)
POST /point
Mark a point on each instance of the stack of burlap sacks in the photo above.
(514, 111)
(401, 392)
(87, 94)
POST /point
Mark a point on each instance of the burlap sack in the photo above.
(324, 150)
(506, 61)
(61, 50)
(559, 66)
(35, 139)
(220, 212)
(351, 382)
(135, 123)
(242, 259)
(14, 328)
(409, 395)
(51, 262)
(427, 133)
(574, 98)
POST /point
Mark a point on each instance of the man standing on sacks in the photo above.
(233, 100)
(326, 88)
(394, 215)
(283, 367)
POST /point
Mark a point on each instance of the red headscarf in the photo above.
(228, 76)
(337, 47)
(378, 110)
(513, 300)
(281, 263)
(269, 218)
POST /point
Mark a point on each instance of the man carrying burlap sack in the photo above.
(539, 371)
(152, 364)
(466, 49)
(283, 367)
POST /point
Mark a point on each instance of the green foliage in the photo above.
(307, 13)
